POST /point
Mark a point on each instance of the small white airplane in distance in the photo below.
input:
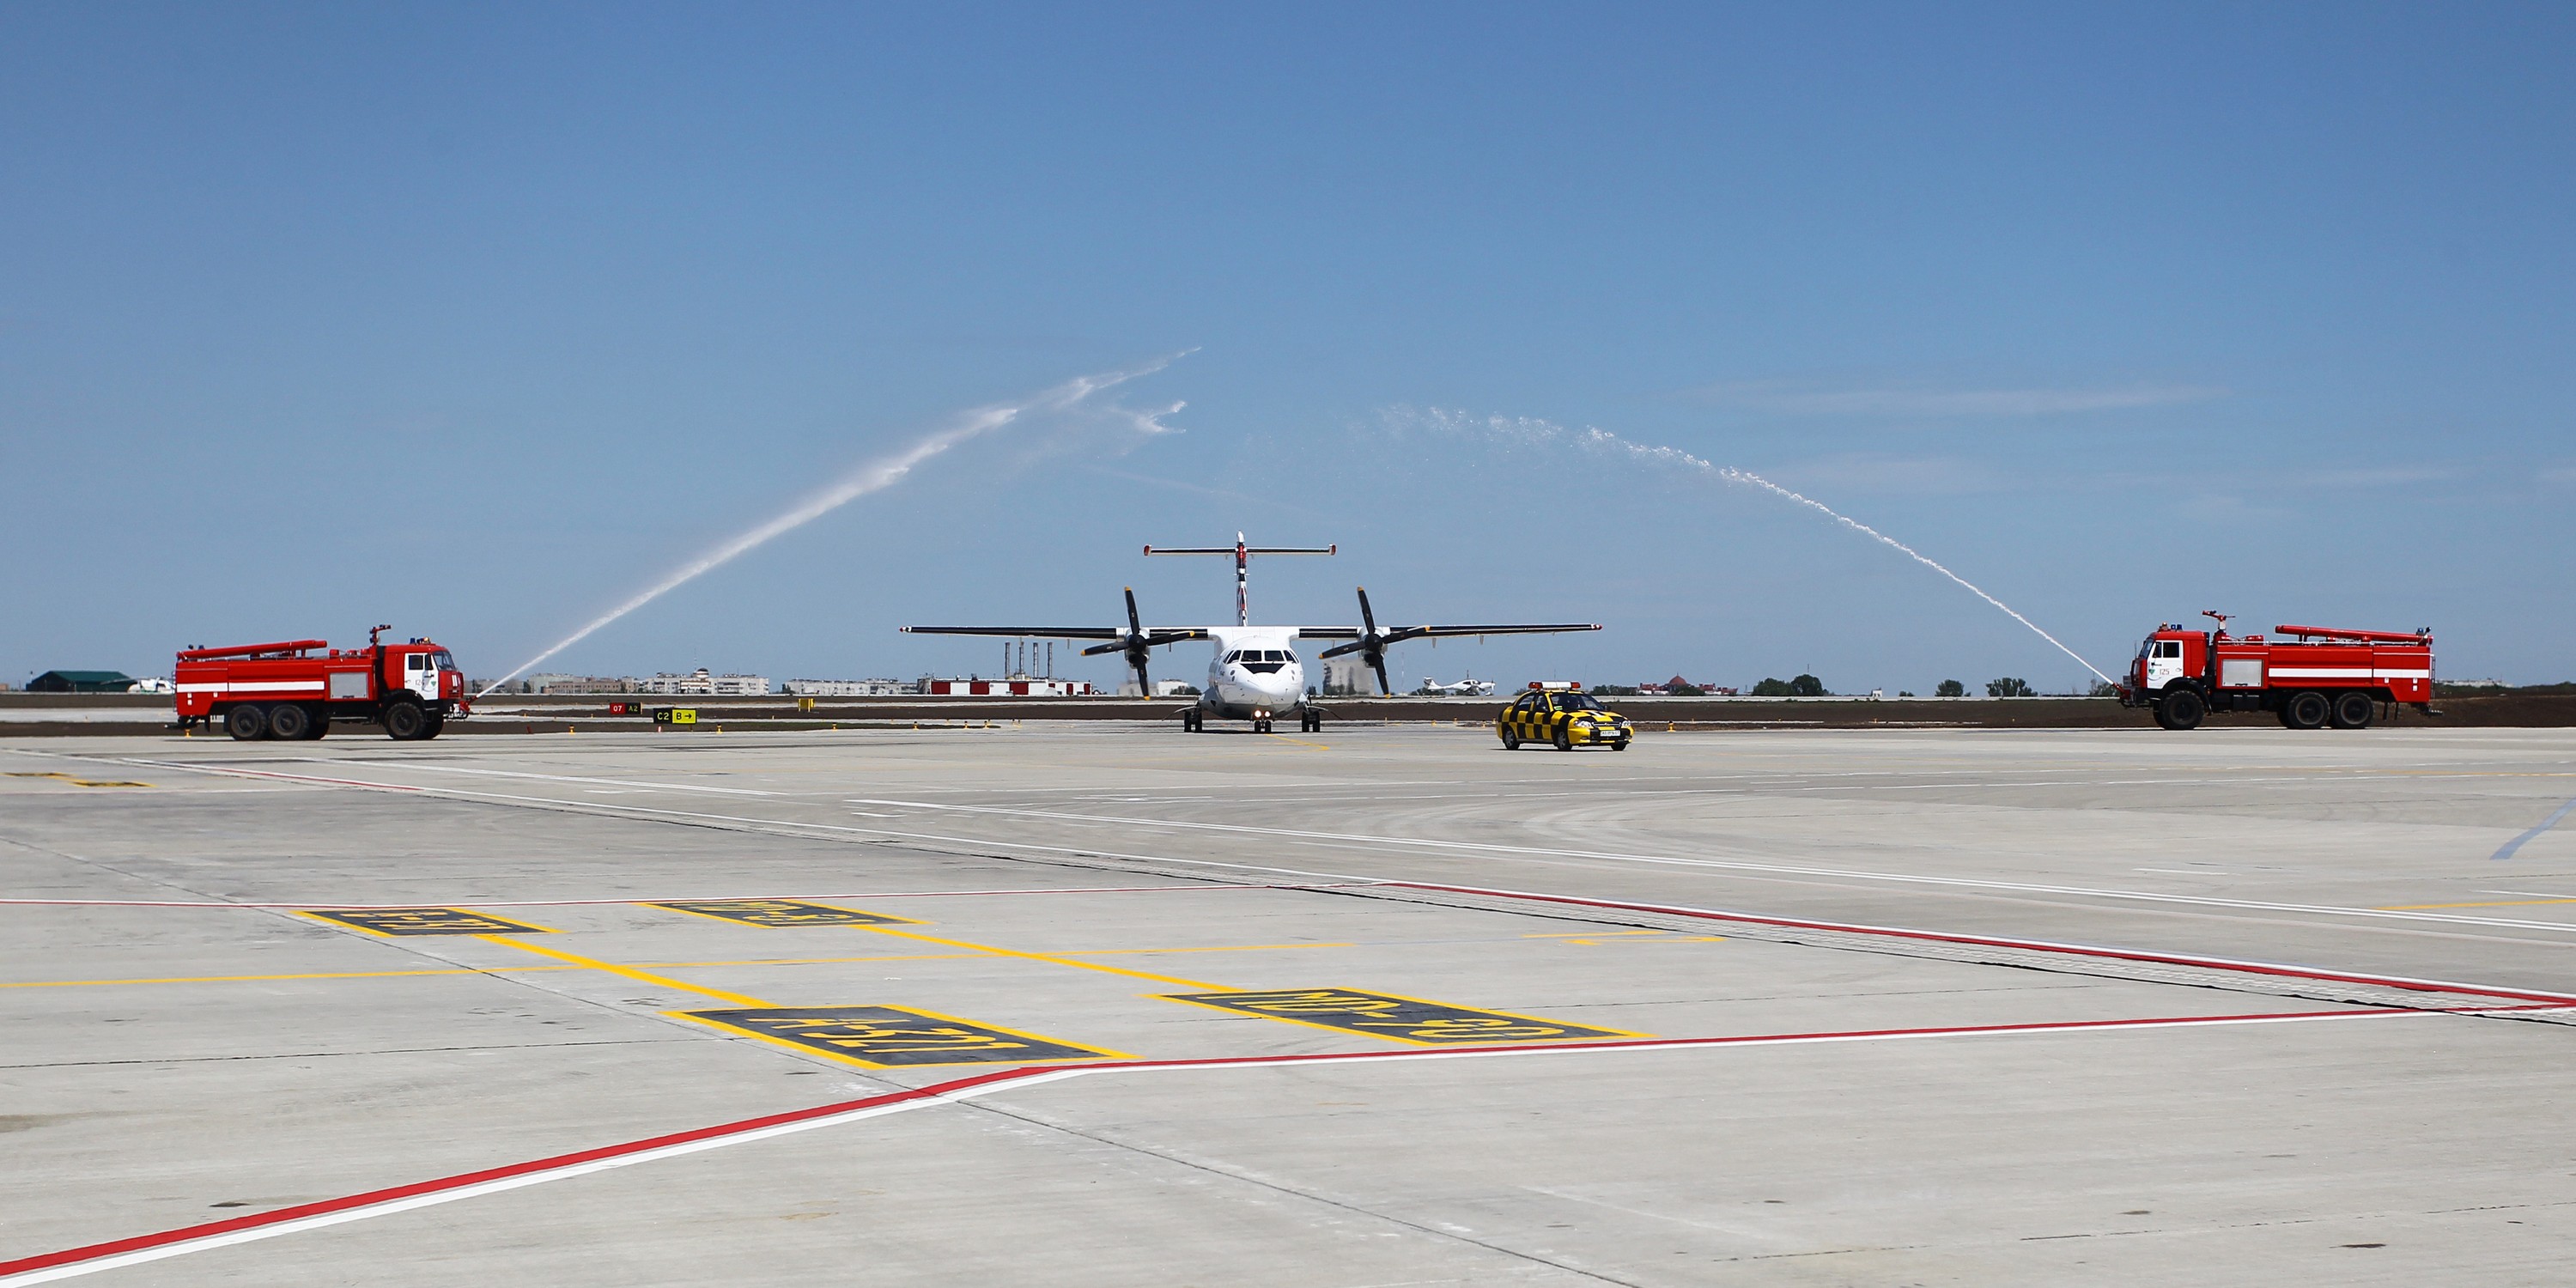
(1470, 687)
(1255, 673)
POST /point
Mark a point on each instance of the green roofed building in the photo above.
(81, 682)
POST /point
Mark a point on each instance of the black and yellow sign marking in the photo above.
(423, 921)
(675, 715)
(782, 912)
(890, 1036)
(1403, 1019)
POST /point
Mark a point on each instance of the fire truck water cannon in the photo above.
(294, 689)
(2310, 676)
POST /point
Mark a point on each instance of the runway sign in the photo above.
(423, 921)
(675, 715)
(782, 912)
(1403, 1019)
(893, 1036)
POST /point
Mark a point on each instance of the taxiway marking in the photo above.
(759, 961)
(640, 976)
(1049, 958)
(1782, 869)
(89, 1259)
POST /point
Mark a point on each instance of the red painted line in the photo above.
(166, 1239)
(2036, 945)
(695, 898)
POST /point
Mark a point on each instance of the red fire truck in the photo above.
(2311, 676)
(295, 689)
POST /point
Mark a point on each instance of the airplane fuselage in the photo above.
(1254, 674)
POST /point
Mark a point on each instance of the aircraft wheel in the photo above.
(404, 720)
(2353, 709)
(246, 722)
(289, 722)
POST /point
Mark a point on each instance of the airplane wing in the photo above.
(1396, 634)
(1135, 639)
(1034, 632)
(1120, 639)
(1370, 640)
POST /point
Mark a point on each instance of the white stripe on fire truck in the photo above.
(256, 686)
(2345, 673)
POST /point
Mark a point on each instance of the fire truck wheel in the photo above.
(289, 722)
(404, 720)
(436, 725)
(2180, 709)
(247, 721)
(2353, 710)
(2306, 709)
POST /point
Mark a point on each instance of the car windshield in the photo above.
(1576, 702)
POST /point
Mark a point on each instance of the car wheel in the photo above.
(2353, 709)
(246, 722)
(1564, 741)
(404, 720)
(1622, 743)
(1511, 741)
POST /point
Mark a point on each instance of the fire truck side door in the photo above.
(418, 675)
(2164, 663)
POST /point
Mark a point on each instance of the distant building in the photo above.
(81, 682)
(581, 683)
(700, 684)
(849, 688)
(1345, 676)
(1019, 688)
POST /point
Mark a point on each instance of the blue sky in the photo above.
(478, 320)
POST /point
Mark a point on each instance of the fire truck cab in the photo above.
(294, 689)
(2310, 676)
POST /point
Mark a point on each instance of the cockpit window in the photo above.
(1233, 657)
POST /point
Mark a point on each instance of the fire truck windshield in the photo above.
(442, 660)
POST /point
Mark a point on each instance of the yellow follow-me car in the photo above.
(1564, 718)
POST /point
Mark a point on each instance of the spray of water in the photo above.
(875, 476)
(1527, 431)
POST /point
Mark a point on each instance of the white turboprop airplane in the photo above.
(1471, 687)
(1255, 674)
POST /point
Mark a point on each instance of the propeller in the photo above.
(1136, 644)
(1372, 642)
